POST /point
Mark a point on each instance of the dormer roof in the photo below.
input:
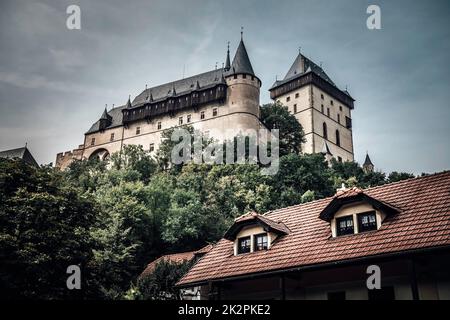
(253, 218)
(354, 195)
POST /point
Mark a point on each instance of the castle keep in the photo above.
(221, 103)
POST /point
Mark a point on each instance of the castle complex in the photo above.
(222, 99)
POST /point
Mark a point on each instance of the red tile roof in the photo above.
(176, 258)
(423, 222)
(253, 217)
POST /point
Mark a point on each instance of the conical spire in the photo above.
(241, 62)
(367, 161)
(303, 65)
(173, 92)
(227, 62)
(129, 102)
(104, 115)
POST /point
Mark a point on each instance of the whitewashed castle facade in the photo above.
(222, 99)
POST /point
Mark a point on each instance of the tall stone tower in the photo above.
(243, 89)
(323, 110)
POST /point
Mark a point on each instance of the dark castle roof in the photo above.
(116, 119)
(20, 153)
(241, 64)
(367, 161)
(302, 65)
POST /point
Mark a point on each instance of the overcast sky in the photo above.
(55, 82)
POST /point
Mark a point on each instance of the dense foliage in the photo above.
(112, 218)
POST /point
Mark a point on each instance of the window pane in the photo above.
(344, 225)
(367, 221)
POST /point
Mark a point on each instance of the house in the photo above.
(329, 248)
(20, 153)
(179, 258)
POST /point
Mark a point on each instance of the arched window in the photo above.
(338, 138)
(325, 132)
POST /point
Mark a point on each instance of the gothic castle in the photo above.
(222, 99)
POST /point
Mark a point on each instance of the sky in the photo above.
(55, 82)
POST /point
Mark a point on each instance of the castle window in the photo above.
(138, 130)
(244, 245)
(180, 121)
(325, 131)
(321, 109)
(92, 141)
(297, 95)
(202, 115)
(188, 118)
(159, 125)
(328, 111)
(152, 147)
(339, 118)
(235, 76)
(338, 138)
(367, 221)
(340, 108)
(288, 99)
(339, 159)
(331, 101)
(295, 108)
(112, 137)
(215, 112)
(344, 225)
(244, 76)
(253, 78)
(261, 242)
(321, 96)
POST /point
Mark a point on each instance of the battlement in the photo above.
(64, 159)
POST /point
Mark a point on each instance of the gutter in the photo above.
(317, 266)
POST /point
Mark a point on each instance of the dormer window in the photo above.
(244, 245)
(261, 242)
(367, 221)
(252, 232)
(352, 211)
(344, 225)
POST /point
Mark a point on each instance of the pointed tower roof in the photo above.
(227, 61)
(303, 65)
(105, 115)
(129, 102)
(367, 161)
(173, 92)
(241, 62)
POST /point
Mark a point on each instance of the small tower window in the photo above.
(92, 141)
(261, 242)
(344, 225)
(235, 76)
(244, 245)
(180, 121)
(328, 111)
(215, 112)
(152, 147)
(321, 96)
(244, 76)
(340, 108)
(338, 138)
(288, 99)
(159, 125)
(112, 137)
(325, 131)
(331, 101)
(297, 95)
(339, 118)
(322, 109)
(202, 115)
(367, 221)
(295, 108)
(138, 130)
(188, 118)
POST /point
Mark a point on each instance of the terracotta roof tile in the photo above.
(423, 222)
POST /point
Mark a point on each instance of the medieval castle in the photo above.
(226, 98)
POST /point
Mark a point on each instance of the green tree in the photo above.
(291, 134)
(44, 228)
(395, 176)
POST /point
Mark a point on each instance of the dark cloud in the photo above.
(55, 82)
